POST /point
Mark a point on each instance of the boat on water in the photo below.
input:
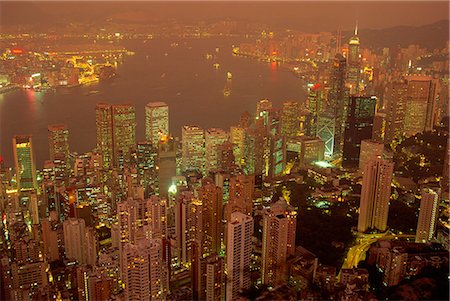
(226, 91)
(92, 92)
(229, 75)
(216, 65)
(163, 75)
(209, 56)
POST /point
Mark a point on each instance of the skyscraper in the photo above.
(215, 280)
(337, 101)
(212, 208)
(358, 126)
(193, 148)
(325, 131)
(214, 138)
(156, 121)
(124, 132)
(369, 149)
(279, 227)
(238, 252)
(375, 195)
(290, 119)
(24, 163)
(353, 63)
(420, 109)
(116, 133)
(103, 120)
(395, 105)
(263, 108)
(58, 139)
(428, 215)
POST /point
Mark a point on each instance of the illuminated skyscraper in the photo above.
(420, 109)
(215, 280)
(369, 149)
(238, 252)
(325, 131)
(353, 63)
(428, 215)
(156, 121)
(124, 132)
(337, 101)
(58, 139)
(24, 163)
(103, 120)
(290, 121)
(263, 108)
(212, 207)
(214, 138)
(359, 124)
(237, 137)
(279, 227)
(193, 148)
(147, 162)
(395, 105)
(375, 195)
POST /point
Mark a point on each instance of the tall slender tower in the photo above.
(429, 209)
(74, 239)
(239, 250)
(24, 163)
(279, 227)
(354, 63)
(124, 132)
(103, 120)
(156, 121)
(290, 119)
(375, 195)
(395, 104)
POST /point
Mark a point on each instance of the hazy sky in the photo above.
(308, 16)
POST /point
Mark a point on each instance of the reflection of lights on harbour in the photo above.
(273, 65)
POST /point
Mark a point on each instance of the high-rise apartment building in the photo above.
(428, 215)
(214, 138)
(74, 239)
(193, 148)
(395, 107)
(211, 197)
(375, 195)
(156, 121)
(25, 165)
(279, 227)
(238, 252)
(358, 127)
(103, 120)
(215, 280)
(369, 149)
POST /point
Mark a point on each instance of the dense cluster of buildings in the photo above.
(165, 218)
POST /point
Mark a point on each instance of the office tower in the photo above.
(24, 163)
(358, 126)
(237, 138)
(214, 138)
(74, 239)
(375, 195)
(211, 197)
(226, 157)
(379, 127)
(279, 227)
(428, 215)
(238, 252)
(290, 122)
(124, 132)
(353, 63)
(316, 105)
(312, 149)
(167, 164)
(420, 109)
(193, 149)
(337, 101)
(143, 270)
(395, 106)
(58, 139)
(277, 157)
(325, 131)
(263, 107)
(215, 278)
(50, 240)
(187, 224)
(103, 120)
(156, 121)
(369, 149)
(91, 246)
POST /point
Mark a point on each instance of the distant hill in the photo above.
(430, 36)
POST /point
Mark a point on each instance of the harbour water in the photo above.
(178, 72)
